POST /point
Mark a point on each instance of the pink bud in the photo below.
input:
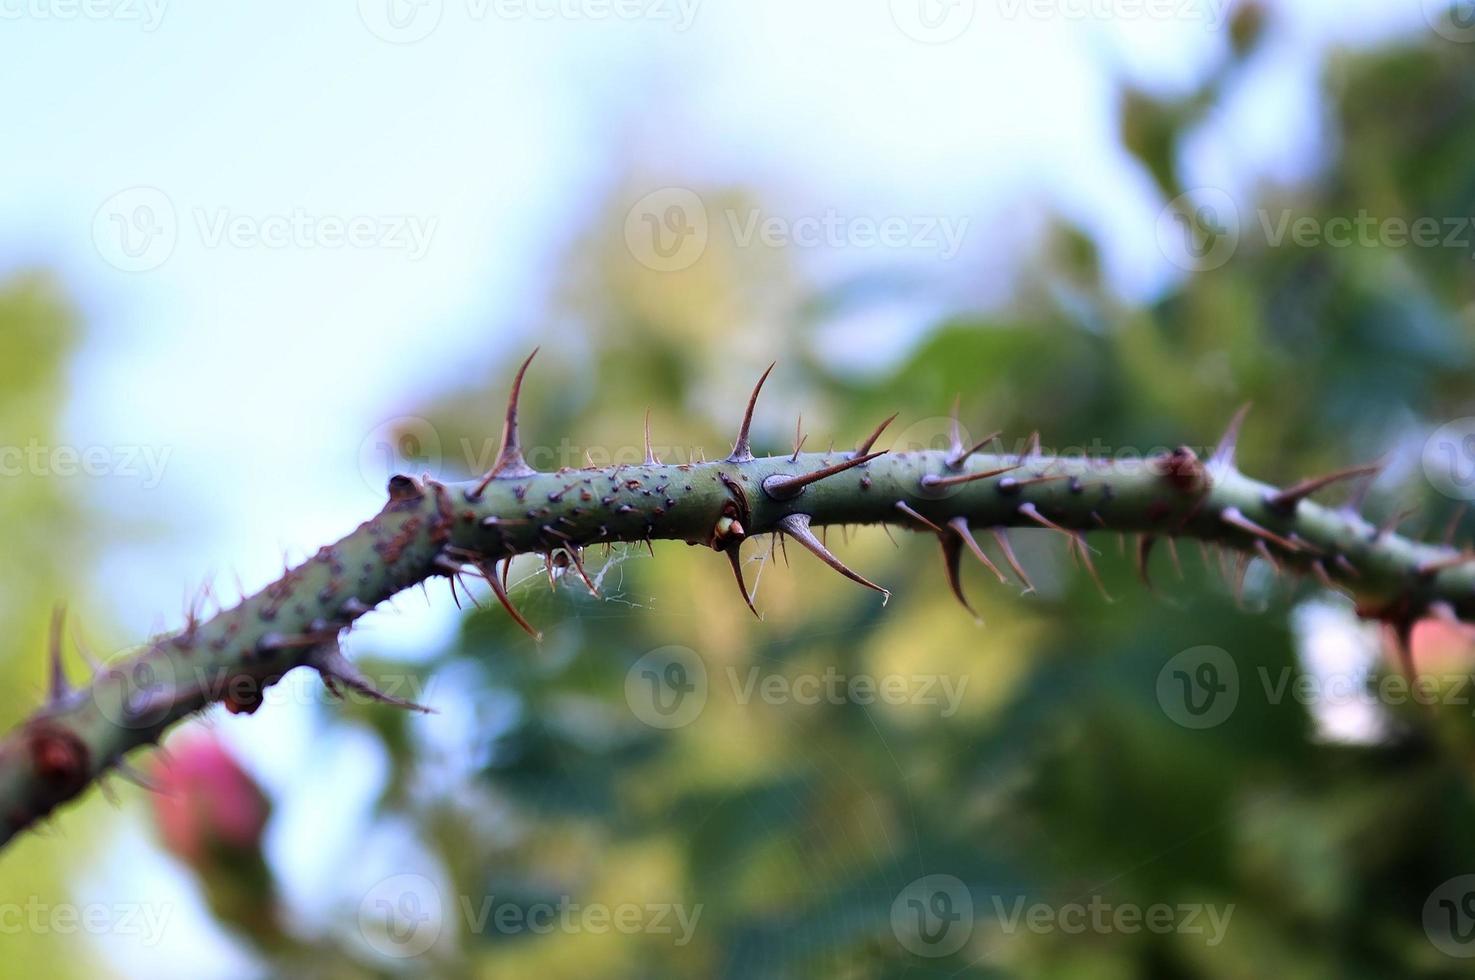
(207, 803)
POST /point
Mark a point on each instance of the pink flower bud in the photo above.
(207, 803)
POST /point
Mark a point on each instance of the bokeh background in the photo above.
(255, 258)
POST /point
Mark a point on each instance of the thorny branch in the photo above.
(429, 529)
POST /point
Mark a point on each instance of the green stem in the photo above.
(432, 529)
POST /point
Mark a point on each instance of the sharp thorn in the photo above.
(911, 512)
(1346, 565)
(930, 480)
(1233, 517)
(1454, 523)
(798, 526)
(578, 562)
(742, 451)
(1288, 498)
(336, 669)
(499, 589)
(1029, 510)
(650, 456)
(1173, 553)
(781, 487)
(1263, 550)
(799, 438)
(737, 571)
(965, 534)
(1144, 552)
(955, 428)
(952, 553)
(1224, 453)
(1001, 538)
(58, 687)
(956, 459)
(136, 777)
(870, 440)
(509, 463)
(1031, 448)
(1436, 565)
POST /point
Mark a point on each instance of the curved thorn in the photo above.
(1233, 517)
(335, 669)
(1454, 523)
(1319, 569)
(1224, 452)
(1436, 565)
(737, 570)
(741, 450)
(578, 561)
(930, 480)
(57, 684)
(1001, 538)
(952, 553)
(781, 487)
(870, 440)
(509, 460)
(1031, 448)
(499, 589)
(957, 457)
(911, 512)
(798, 526)
(961, 529)
(1288, 498)
(136, 777)
(1144, 552)
(650, 456)
(955, 428)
